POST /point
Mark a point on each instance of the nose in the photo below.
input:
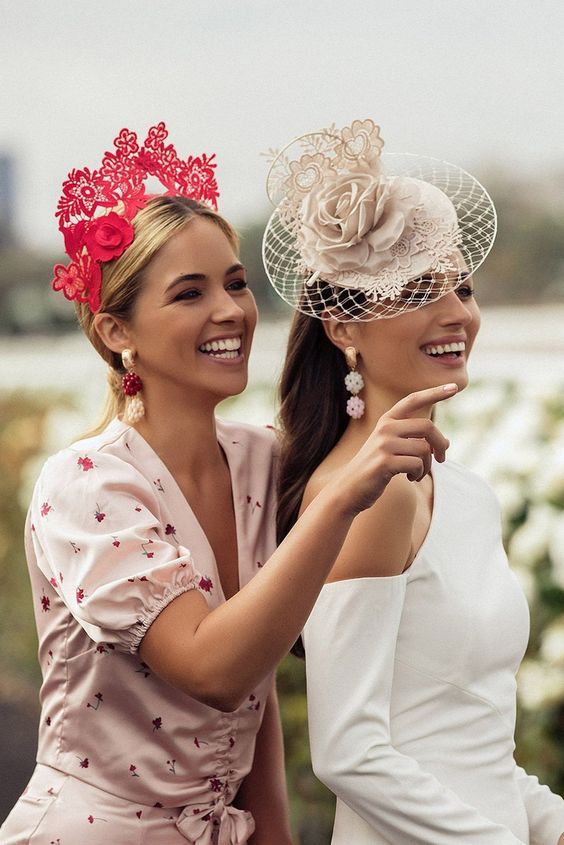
(225, 308)
(454, 311)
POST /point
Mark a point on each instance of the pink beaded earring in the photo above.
(354, 384)
(132, 385)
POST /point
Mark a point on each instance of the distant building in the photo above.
(7, 197)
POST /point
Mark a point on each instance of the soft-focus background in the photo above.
(477, 82)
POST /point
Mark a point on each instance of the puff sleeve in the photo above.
(545, 810)
(98, 538)
(350, 641)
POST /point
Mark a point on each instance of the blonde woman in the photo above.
(161, 603)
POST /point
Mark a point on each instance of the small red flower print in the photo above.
(99, 700)
(84, 763)
(157, 804)
(231, 742)
(254, 704)
(45, 508)
(144, 670)
(48, 721)
(85, 463)
(133, 770)
(53, 582)
(139, 813)
(61, 579)
(116, 542)
(254, 505)
(216, 785)
(199, 742)
(98, 514)
(45, 603)
(137, 508)
(91, 819)
(32, 527)
(157, 723)
(171, 766)
(145, 552)
(105, 648)
(206, 584)
(170, 529)
(80, 595)
(158, 485)
(271, 427)
(75, 548)
(259, 564)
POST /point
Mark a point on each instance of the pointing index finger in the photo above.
(414, 403)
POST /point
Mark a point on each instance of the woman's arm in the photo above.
(545, 810)
(218, 656)
(263, 792)
(350, 641)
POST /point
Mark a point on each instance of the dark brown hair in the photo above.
(312, 414)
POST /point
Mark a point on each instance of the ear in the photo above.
(341, 334)
(112, 331)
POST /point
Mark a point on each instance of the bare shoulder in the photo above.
(379, 542)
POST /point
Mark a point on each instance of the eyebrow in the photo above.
(200, 277)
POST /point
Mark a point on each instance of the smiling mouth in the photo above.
(447, 350)
(229, 347)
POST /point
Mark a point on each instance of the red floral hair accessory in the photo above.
(97, 208)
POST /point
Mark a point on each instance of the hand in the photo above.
(401, 442)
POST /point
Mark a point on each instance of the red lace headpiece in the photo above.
(96, 208)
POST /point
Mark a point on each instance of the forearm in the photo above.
(245, 637)
(263, 792)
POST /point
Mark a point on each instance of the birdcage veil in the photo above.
(361, 235)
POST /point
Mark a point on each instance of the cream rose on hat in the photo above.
(355, 229)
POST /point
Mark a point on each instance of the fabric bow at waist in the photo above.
(220, 824)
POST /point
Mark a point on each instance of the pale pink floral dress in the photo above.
(123, 756)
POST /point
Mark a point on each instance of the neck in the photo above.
(182, 433)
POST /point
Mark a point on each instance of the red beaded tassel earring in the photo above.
(132, 385)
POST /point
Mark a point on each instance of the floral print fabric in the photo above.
(110, 542)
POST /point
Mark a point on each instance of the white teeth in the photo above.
(227, 344)
(447, 347)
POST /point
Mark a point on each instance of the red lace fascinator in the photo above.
(97, 207)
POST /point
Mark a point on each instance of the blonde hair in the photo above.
(122, 280)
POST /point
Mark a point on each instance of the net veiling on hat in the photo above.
(358, 235)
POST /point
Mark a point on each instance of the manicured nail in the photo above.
(448, 388)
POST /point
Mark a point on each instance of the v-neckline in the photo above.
(231, 460)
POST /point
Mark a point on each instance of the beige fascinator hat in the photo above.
(359, 235)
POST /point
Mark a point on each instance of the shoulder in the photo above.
(104, 459)
(465, 488)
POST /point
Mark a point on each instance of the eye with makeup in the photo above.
(465, 292)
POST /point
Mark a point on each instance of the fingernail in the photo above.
(449, 387)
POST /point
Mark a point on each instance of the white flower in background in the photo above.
(552, 643)
(556, 550)
(529, 544)
(548, 480)
(539, 685)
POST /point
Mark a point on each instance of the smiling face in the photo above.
(421, 348)
(194, 319)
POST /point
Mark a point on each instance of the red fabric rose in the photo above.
(107, 237)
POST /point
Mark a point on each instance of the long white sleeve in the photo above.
(545, 810)
(350, 641)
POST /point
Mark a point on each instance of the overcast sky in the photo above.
(477, 82)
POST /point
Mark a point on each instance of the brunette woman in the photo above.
(414, 642)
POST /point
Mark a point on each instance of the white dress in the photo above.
(412, 692)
